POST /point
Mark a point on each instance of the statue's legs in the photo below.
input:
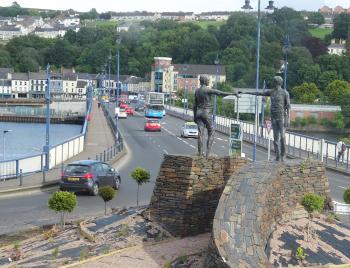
(207, 120)
(200, 136)
(276, 137)
(283, 141)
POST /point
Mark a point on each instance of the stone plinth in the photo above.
(187, 192)
(254, 200)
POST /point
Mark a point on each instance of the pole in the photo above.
(237, 108)
(47, 139)
(257, 83)
(216, 87)
(3, 145)
(109, 74)
(286, 61)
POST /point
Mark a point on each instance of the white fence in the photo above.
(297, 144)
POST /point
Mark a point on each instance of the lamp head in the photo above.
(270, 6)
(247, 5)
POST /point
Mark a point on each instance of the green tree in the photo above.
(336, 91)
(326, 78)
(62, 202)
(141, 176)
(306, 93)
(312, 203)
(107, 193)
(346, 196)
(5, 58)
(316, 18)
(339, 121)
(341, 26)
(91, 15)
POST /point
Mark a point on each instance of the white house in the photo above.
(215, 15)
(9, 32)
(70, 85)
(37, 84)
(337, 47)
(5, 82)
(20, 85)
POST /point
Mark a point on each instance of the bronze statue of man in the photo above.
(202, 112)
(280, 107)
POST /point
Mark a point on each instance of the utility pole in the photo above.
(47, 138)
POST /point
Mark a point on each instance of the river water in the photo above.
(29, 138)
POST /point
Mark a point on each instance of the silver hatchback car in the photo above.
(189, 130)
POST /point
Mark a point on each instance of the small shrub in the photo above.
(346, 196)
(55, 253)
(83, 254)
(300, 255)
(123, 231)
(312, 202)
(183, 259)
(62, 202)
(107, 193)
(16, 252)
(141, 176)
(168, 264)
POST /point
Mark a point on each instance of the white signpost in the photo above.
(268, 129)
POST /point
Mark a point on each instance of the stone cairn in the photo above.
(253, 202)
(187, 192)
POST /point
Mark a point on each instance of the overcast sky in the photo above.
(164, 5)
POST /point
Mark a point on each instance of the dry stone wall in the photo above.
(187, 192)
(253, 201)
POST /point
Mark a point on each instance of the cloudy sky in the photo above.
(164, 5)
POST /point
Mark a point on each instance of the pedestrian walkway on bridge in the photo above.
(99, 137)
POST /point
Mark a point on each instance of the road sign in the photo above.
(235, 148)
(268, 125)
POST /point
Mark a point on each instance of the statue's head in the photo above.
(204, 80)
(277, 81)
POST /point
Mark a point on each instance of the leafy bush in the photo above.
(346, 196)
(62, 202)
(141, 176)
(107, 193)
(300, 254)
(312, 202)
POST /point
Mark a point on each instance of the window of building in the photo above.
(158, 75)
(314, 114)
(300, 114)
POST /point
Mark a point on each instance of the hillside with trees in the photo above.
(311, 71)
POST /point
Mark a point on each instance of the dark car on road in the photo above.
(89, 175)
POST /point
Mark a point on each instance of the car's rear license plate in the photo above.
(73, 179)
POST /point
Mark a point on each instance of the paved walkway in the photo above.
(99, 138)
(150, 256)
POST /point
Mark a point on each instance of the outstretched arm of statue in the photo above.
(220, 93)
(259, 93)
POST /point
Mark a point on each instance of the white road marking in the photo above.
(342, 187)
(165, 151)
(192, 146)
(219, 139)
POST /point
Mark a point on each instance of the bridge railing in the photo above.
(14, 168)
(297, 145)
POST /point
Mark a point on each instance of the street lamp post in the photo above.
(3, 142)
(247, 6)
(47, 138)
(118, 41)
(216, 62)
(285, 49)
(109, 74)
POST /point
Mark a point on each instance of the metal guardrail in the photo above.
(297, 145)
(18, 168)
